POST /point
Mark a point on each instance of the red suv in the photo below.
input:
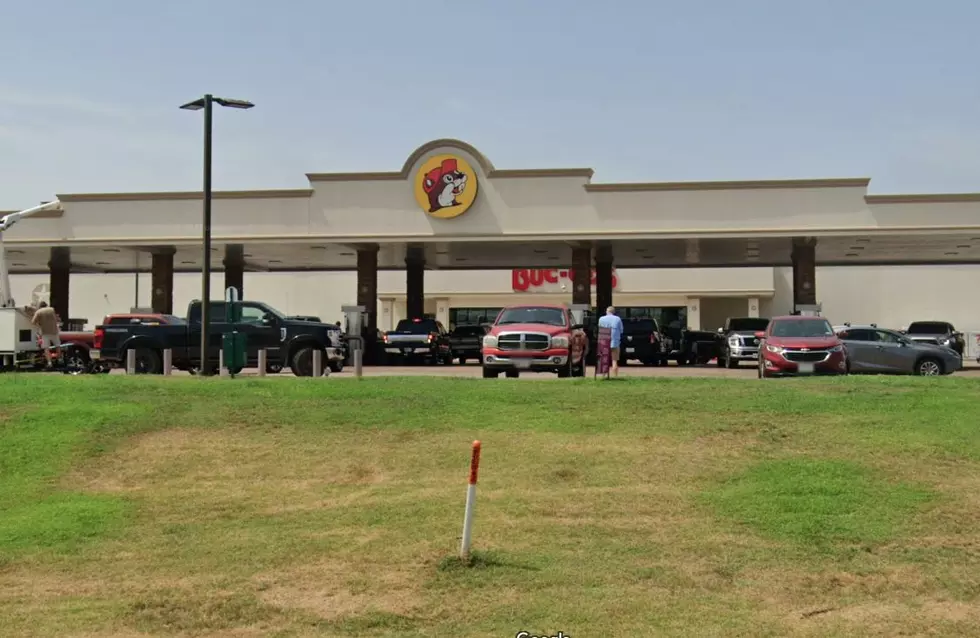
(797, 345)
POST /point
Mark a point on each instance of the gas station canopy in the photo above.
(503, 219)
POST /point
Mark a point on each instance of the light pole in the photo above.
(207, 103)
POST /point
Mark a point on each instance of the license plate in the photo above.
(406, 350)
(630, 350)
(94, 354)
(523, 364)
(805, 368)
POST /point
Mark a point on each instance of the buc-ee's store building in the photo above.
(452, 236)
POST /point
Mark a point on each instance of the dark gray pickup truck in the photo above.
(288, 342)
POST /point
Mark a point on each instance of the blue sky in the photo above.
(639, 91)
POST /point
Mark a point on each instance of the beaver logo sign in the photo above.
(445, 186)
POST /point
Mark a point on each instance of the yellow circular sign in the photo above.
(445, 186)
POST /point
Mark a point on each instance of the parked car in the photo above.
(465, 342)
(737, 341)
(941, 333)
(874, 350)
(534, 339)
(643, 341)
(287, 342)
(418, 340)
(799, 345)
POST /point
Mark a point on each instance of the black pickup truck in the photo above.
(416, 340)
(642, 340)
(288, 342)
(466, 342)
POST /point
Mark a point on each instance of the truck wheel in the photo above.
(730, 363)
(147, 361)
(76, 361)
(273, 368)
(462, 361)
(564, 372)
(512, 374)
(490, 374)
(302, 363)
(336, 366)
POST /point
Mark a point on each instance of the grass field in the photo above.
(657, 507)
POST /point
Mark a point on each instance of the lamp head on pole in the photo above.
(199, 103)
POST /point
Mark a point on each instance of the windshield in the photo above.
(928, 328)
(802, 328)
(424, 326)
(469, 331)
(546, 316)
(640, 326)
(748, 324)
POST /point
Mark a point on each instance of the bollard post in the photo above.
(222, 370)
(317, 362)
(168, 362)
(464, 548)
(130, 361)
(358, 361)
(263, 361)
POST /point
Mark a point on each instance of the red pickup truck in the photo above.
(538, 338)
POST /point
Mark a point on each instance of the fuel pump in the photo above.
(356, 319)
(233, 343)
(578, 313)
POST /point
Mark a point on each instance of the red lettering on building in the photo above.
(525, 279)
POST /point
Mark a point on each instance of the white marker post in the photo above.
(464, 549)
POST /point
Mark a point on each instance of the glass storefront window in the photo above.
(472, 316)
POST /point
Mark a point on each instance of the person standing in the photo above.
(615, 325)
(45, 321)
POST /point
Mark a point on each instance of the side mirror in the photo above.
(760, 335)
(267, 320)
(721, 331)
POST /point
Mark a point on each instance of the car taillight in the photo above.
(384, 338)
(432, 336)
(97, 340)
(653, 338)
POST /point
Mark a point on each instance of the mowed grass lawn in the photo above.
(646, 507)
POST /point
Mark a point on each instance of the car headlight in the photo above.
(559, 342)
(837, 349)
(775, 349)
(734, 341)
(489, 341)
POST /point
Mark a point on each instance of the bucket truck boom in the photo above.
(16, 331)
(6, 296)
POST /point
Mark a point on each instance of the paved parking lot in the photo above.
(473, 371)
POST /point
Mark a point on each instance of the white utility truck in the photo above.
(17, 336)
